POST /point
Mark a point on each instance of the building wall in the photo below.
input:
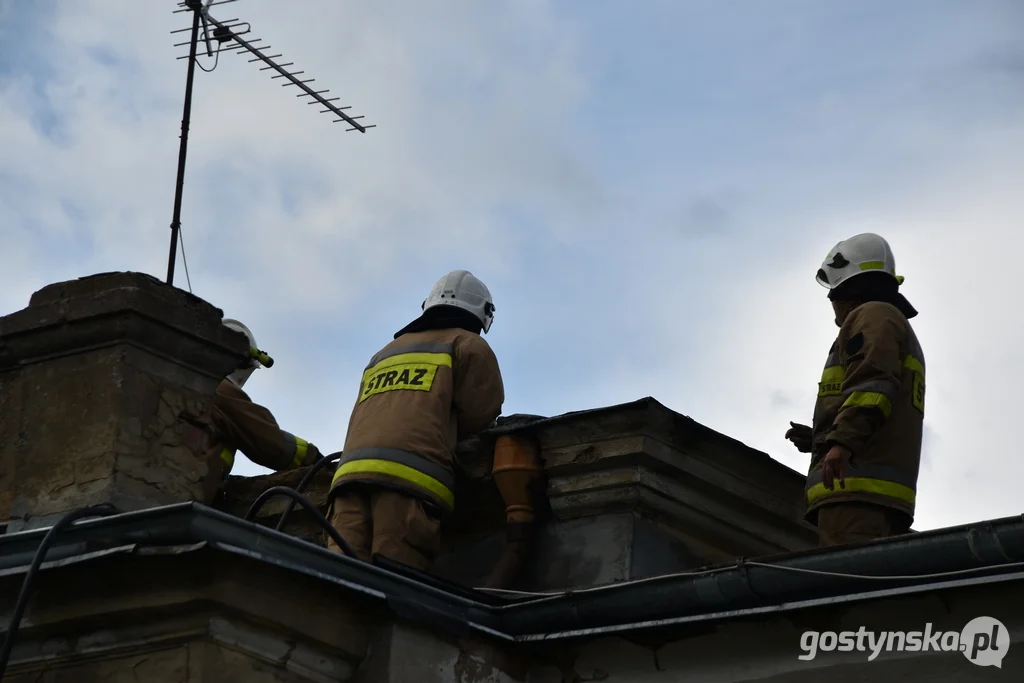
(185, 614)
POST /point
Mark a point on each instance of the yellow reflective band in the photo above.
(917, 397)
(228, 456)
(864, 485)
(400, 471)
(408, 371)
(913, 364)
(869, 399)
(832, 379)
(872, 265)
(917, 367)
(403, 358)
(301, 448)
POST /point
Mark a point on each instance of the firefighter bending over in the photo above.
(242, 425)
(436, 384)
(868, 419)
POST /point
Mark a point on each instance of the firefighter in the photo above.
(866, 435)
(437, 383)
(242, 425)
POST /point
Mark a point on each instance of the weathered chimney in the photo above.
(94, 376)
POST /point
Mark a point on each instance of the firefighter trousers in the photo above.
(853, 522)
(380, 521)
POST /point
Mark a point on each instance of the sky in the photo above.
(646, 188)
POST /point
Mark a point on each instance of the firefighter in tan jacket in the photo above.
(242, 425)
(436, 384)
(866, 435)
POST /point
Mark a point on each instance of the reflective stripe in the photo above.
(868, 399)
(879, 394)
(403, 358)
(870, 478)
(228, 456)
(401, 464)
(418, 347)
(294, 449)
(872, 265)
(913, 364)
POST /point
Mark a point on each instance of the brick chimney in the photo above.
(94, 376)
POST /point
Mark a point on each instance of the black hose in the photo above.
(306, 479)
(275, 491)
(102, 510)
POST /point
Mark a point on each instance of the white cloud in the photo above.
(647, 194)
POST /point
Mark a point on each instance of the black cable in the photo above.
(304, 482)
(307, 506)
(216, 61)
(103, 510)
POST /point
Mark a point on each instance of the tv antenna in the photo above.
(231, 32)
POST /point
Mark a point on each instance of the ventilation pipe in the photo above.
(516, 472)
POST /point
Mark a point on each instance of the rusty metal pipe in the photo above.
(516, 467)
(516, 471)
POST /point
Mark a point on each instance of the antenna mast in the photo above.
(226, 32)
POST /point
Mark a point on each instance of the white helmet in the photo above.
(864, 253)
(462, 289)
(241, 375)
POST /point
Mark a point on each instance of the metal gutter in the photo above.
(767, 609)
(770, 585)
(188, 523)
(987, 547)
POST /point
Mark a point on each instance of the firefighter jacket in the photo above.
(249, 427)
(419, 396)
(871, 400)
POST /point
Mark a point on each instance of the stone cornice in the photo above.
(127, 308)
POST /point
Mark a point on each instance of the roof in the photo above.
(984, 552)
(657, 419)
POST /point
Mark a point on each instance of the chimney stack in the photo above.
(94, 376)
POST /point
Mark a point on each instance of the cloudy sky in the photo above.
(646, 187)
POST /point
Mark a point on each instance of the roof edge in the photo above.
(964, 555)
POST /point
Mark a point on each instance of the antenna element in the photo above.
(231, 31)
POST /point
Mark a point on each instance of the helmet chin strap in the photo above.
(241, 376)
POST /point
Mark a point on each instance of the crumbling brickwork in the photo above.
(95, 376)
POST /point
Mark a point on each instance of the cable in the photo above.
(304, 482)
(181, 238)
(216, 61)
(766, 565)
(103, 510)
(307, 506)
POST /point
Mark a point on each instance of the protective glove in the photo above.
(313, 455)
(801, 436)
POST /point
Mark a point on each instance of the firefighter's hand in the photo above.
(836, 462)
(800, 435)
(313, 455)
